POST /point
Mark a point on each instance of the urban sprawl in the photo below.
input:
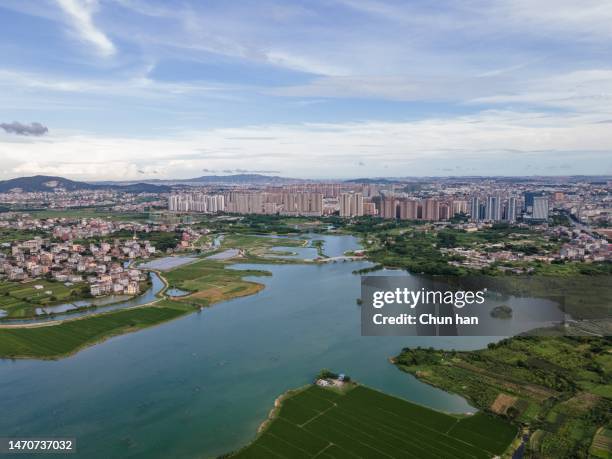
(88, 252)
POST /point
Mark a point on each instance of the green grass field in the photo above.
(257, 245)
(15, 235)
(55, 341)
(89, 213)
(365, 423)
(211, 282)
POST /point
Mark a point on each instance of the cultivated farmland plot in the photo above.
(365, 423)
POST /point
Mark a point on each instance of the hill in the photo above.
(140, 188)
(42, 183)
(235, 179)
(367, 181)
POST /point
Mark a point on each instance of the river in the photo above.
(201, 385)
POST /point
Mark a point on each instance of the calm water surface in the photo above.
(200, 386)
(229, 253)
(167, 263)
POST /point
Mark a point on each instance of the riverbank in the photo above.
(206, 282)
(209, 281)
(64, 338)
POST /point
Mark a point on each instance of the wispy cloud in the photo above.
(588, 91)
(490, 142)
(80, 14)
(405, 85)
(240, 171)
(133, 86)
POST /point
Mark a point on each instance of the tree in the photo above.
(447, 239)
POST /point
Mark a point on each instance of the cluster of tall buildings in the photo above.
(351, 205)
(493, 208)
(326, 199)
(497, 208)
(430, 209)
(197, 202)
(285, 203)
(536, 205)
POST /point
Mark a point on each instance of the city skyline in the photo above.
(327, 89)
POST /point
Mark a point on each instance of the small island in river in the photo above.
(502, 312)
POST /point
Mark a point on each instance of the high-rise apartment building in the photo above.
(196, 202)
(388, 207)
(444, 211)
(511, 210)
(475, 209)
(540, 208)
(458, 207)
(493, 210)
(369, 208)
(245, 203)
(351, 205)
(431, 209)
(408, 209)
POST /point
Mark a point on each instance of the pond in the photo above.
(167, 263)
(226, 254)
(176, 292)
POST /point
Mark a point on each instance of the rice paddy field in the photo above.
(53, 341)
(364, 423)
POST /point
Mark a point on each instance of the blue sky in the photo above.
(134, 89)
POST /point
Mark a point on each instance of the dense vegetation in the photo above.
(8, 235)
(161, 240)
(561, 388)
(89, 212)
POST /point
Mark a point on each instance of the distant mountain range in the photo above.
(368, 181)
(40, 183)
(236, 179)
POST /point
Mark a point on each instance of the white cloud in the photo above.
(583, 90)
(80, 14)
(130, 86)
(491, 142)
(538, 66)
(585, 18)
(303, 63)
(587, 91)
